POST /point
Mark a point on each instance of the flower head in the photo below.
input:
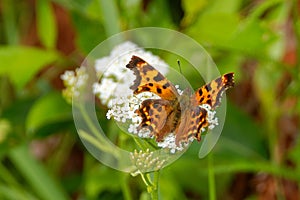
(74, 82)
(146, 161)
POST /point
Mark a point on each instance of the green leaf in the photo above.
(249, 38)
(22, 63)
(36, 175)
(46, 24)
(214, 28)
(49, 109)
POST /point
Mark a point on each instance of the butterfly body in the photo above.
(174, 113)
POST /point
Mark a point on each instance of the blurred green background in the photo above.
(258, 153)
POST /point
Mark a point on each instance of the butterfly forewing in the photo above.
(148, 79)
(211, 93)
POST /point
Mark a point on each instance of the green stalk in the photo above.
(100, 142)
(125, 189)
(154, 193)
(211, 177)
(151, 180)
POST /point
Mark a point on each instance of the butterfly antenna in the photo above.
(179, 66)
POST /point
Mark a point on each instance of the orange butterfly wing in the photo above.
(211, 93)
(194, 118)
(191, 124)
(148, 79)
(158, 115)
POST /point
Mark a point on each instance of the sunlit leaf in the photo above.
(21, 63)
(215, 28)
(51, 108)
(251, 38)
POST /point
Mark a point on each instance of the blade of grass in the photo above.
(9, 21)
(7, 192)
(36, 175)
(46, 24)
(111, 17)
(11, 188)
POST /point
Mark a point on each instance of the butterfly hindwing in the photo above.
(191, 124)
(155, 114)
(150, 80)
(211, 93)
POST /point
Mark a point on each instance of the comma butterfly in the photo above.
(174, 113)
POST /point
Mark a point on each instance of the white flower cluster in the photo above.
(169, 142)
(74, 82)
(211, 119)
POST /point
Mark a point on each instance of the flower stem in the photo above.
(211, 178)
(125, 188)
(151, 181)
(95, 138)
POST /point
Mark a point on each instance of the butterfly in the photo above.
(172, 112)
